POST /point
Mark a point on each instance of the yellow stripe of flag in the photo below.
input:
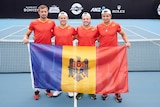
(77, 74)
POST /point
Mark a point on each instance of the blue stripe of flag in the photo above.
(46, 70)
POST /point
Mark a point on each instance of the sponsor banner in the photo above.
(120, 9)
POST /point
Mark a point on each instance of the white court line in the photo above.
(11, 40)
(143, 29)
(135, 33)
(12, 33)
(7, 28)
(140, 40)
(11, 27)
(142, 36)
(130, 35)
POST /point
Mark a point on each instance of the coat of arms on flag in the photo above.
(78, 69)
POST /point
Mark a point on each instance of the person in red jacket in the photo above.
(43, 32)
(86, 36)
(108, 36)
(64, 36)
(64, 33)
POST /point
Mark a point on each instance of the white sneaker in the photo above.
(70, 94)
(56, 93)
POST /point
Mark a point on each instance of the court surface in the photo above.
(16, 90)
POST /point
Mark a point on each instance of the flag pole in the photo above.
(30, 65)
(75, 100)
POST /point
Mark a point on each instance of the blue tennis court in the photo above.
(143, 58)
(135, 29)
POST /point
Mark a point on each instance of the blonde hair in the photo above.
(62, 13)
(86, 14)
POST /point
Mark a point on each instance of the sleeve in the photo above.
(77, 31)
(31, 26)
(53, 29)
(118, 28)
(98, 33)
(74, 31)
(54, 24)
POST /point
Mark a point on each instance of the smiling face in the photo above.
(86, 19)
(63, 20)
(106, 17)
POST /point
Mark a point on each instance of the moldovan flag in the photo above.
(82, 69)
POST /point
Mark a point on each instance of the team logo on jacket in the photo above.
(78, 69)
